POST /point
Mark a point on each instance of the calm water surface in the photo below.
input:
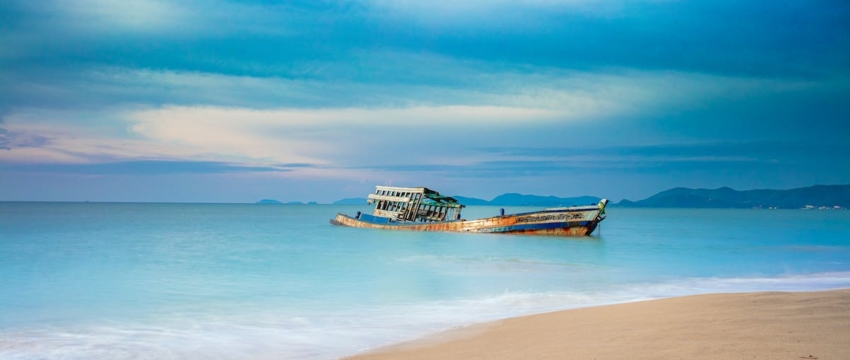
(208, 281)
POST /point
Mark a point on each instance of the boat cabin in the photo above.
(414, 204)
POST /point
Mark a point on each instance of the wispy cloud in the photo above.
(313, 136)
(659, 159)
(744, 151)
(9, 140)
(133, 15)
(150, 167)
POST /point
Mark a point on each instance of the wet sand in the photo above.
(768, 325)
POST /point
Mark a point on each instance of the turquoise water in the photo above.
(208, 281)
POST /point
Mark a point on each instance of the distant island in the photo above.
(275, 202)
(269, 202)
(813, 197)
(350, 201)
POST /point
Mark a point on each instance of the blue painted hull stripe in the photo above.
(525, 227)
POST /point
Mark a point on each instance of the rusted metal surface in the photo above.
(478, 226)
(413, 204)
(422, 209)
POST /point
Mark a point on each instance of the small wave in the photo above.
(492, 264)
(340, 332)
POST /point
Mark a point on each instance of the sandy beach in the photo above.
(769, 325)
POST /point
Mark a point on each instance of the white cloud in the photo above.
(137, 15)
(308, 136)
(174, 18)
(259, 137)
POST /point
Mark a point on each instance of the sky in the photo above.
(242, 100)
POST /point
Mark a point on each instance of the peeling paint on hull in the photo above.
(564, 222)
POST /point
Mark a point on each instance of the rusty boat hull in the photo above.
(572, 221)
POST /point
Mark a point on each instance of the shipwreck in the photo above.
(423, 209)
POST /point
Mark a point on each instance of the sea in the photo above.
(249, 281)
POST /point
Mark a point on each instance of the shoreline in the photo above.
(757, 325)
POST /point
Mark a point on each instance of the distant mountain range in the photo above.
(813, 196)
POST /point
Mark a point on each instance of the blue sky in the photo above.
(234, 101)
